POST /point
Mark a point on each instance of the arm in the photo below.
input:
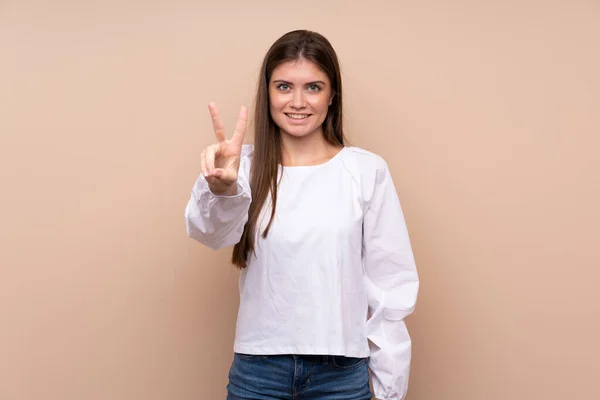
(392, 286)
(218, 221)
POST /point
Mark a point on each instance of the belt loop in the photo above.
(326, 359)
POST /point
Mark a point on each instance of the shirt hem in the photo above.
(306, 350)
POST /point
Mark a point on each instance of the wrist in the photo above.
(229, 191)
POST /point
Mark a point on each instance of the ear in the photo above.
(331, 98)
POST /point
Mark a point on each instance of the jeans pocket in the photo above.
(347, 362)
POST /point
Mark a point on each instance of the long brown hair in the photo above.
(299, 44)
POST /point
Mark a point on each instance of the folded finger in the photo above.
(210, 159)
(203, 162)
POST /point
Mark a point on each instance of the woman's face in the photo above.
(299, 96)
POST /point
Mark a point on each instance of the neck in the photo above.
(312, 149)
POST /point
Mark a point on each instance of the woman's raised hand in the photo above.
(221, 161)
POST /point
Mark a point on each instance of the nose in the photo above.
(298, 99)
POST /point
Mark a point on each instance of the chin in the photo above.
(298, 133)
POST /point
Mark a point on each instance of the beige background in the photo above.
(487, 112)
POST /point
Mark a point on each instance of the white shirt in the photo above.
(336, 273)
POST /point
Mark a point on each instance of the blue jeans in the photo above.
(298, 377)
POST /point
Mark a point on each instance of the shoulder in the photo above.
(247, 150)
(370, 165)
(246, 157)
(247, 154)
(369, 170)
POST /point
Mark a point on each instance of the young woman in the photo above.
(328, 273)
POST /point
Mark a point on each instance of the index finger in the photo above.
(216, 121)
(240, 126)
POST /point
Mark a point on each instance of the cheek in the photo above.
(276, 101)
(275, 106)
(320, 104)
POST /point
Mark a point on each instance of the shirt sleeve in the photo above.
(218, 221)
(392, 286)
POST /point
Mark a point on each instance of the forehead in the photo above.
(299, 71)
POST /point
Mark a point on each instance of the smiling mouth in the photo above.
(297, 116)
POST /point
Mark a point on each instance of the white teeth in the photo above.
(297, 116)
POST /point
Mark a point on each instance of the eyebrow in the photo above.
(307, 83)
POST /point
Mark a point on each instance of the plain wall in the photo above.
(486, 111)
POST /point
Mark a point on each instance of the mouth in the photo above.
(297, 116)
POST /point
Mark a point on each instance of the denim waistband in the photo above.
(316, 358)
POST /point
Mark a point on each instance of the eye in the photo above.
(283, 87)
(313, 87)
